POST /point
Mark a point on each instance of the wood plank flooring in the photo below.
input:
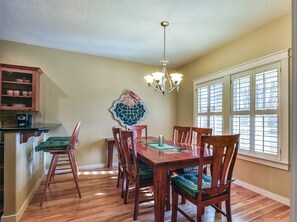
(101, 201)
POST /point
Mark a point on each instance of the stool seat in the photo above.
(58, 138)
(52, 145)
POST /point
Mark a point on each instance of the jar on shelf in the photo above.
(16, 92)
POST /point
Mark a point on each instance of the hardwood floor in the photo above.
(101, 201)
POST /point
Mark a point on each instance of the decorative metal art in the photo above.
(129, 109)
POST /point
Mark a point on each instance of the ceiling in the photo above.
(130, 29)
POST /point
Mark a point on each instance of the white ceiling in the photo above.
(130, 29)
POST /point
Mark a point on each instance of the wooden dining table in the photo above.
(163, 161)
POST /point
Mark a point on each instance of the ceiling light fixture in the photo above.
(157, 80)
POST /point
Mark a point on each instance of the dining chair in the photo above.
(195, 139)
(181, 134)
(137, 173)
(208, 190)
(62, 150)
(121, 159)
(197, 132)
(141, 131)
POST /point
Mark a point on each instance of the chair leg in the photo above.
(183, 200)
(76, 166)
(49, 175)
(136, 201)
(126, 191)
(124, 182)
(174, 206)
(200, 211)
(119, 176)
(228, 211)
(73, 168)
(168, 192)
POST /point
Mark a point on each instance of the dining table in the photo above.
(163, 159)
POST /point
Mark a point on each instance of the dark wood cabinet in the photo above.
(19, 88)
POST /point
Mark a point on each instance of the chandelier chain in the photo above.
(164, 52)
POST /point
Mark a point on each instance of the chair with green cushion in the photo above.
(195, 139)
(208, 190)
(141, 131)
(121, 160)
(62, 150)
(139, 174)
(181, 134)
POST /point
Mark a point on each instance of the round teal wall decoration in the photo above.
(129, 109)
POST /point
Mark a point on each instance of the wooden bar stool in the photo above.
(62, 150)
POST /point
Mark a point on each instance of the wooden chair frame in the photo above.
(139, 130)
(128, 140)
(68, 157)
(121, 160)
(196, 134)
(181, 134)
(222, 162)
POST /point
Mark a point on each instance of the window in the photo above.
(210, 106)
(255, 110)
(251, 99)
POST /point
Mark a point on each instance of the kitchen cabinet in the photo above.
(19, 87)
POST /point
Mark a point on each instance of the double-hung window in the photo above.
(253, 100)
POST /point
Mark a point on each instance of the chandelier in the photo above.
(162, 81)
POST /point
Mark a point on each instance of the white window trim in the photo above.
(283, 58)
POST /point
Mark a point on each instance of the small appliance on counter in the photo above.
(24, 120)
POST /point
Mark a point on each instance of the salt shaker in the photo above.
(161, 140)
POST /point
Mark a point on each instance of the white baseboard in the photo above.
(17, 217)
(94, 166)
(263, 192)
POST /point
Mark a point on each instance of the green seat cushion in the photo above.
(193, 169)
(145, 171)
(52, 145)
(188, 183)
(58, 138)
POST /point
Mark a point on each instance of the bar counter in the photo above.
(23, 167)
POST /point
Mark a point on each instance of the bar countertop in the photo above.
(34, 127)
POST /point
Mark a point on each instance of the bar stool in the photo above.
(62, 150)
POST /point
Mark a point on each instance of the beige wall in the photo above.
(78, 87)
(270, 38)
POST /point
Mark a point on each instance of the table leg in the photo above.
(110, 153)
(160, 185)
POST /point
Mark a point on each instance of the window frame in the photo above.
(253, 112)
(210, 113)
(282, 57)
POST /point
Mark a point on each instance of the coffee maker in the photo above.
(24, 120)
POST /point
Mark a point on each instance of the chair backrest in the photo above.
(141, 131)
(181, 134)
(128, 144)
(196, 134)
(224, 152)
(116, 136)
(73, 142)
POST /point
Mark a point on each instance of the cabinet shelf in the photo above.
(14, 96)
(18, 83)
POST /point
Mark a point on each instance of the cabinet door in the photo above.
(19, 90)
